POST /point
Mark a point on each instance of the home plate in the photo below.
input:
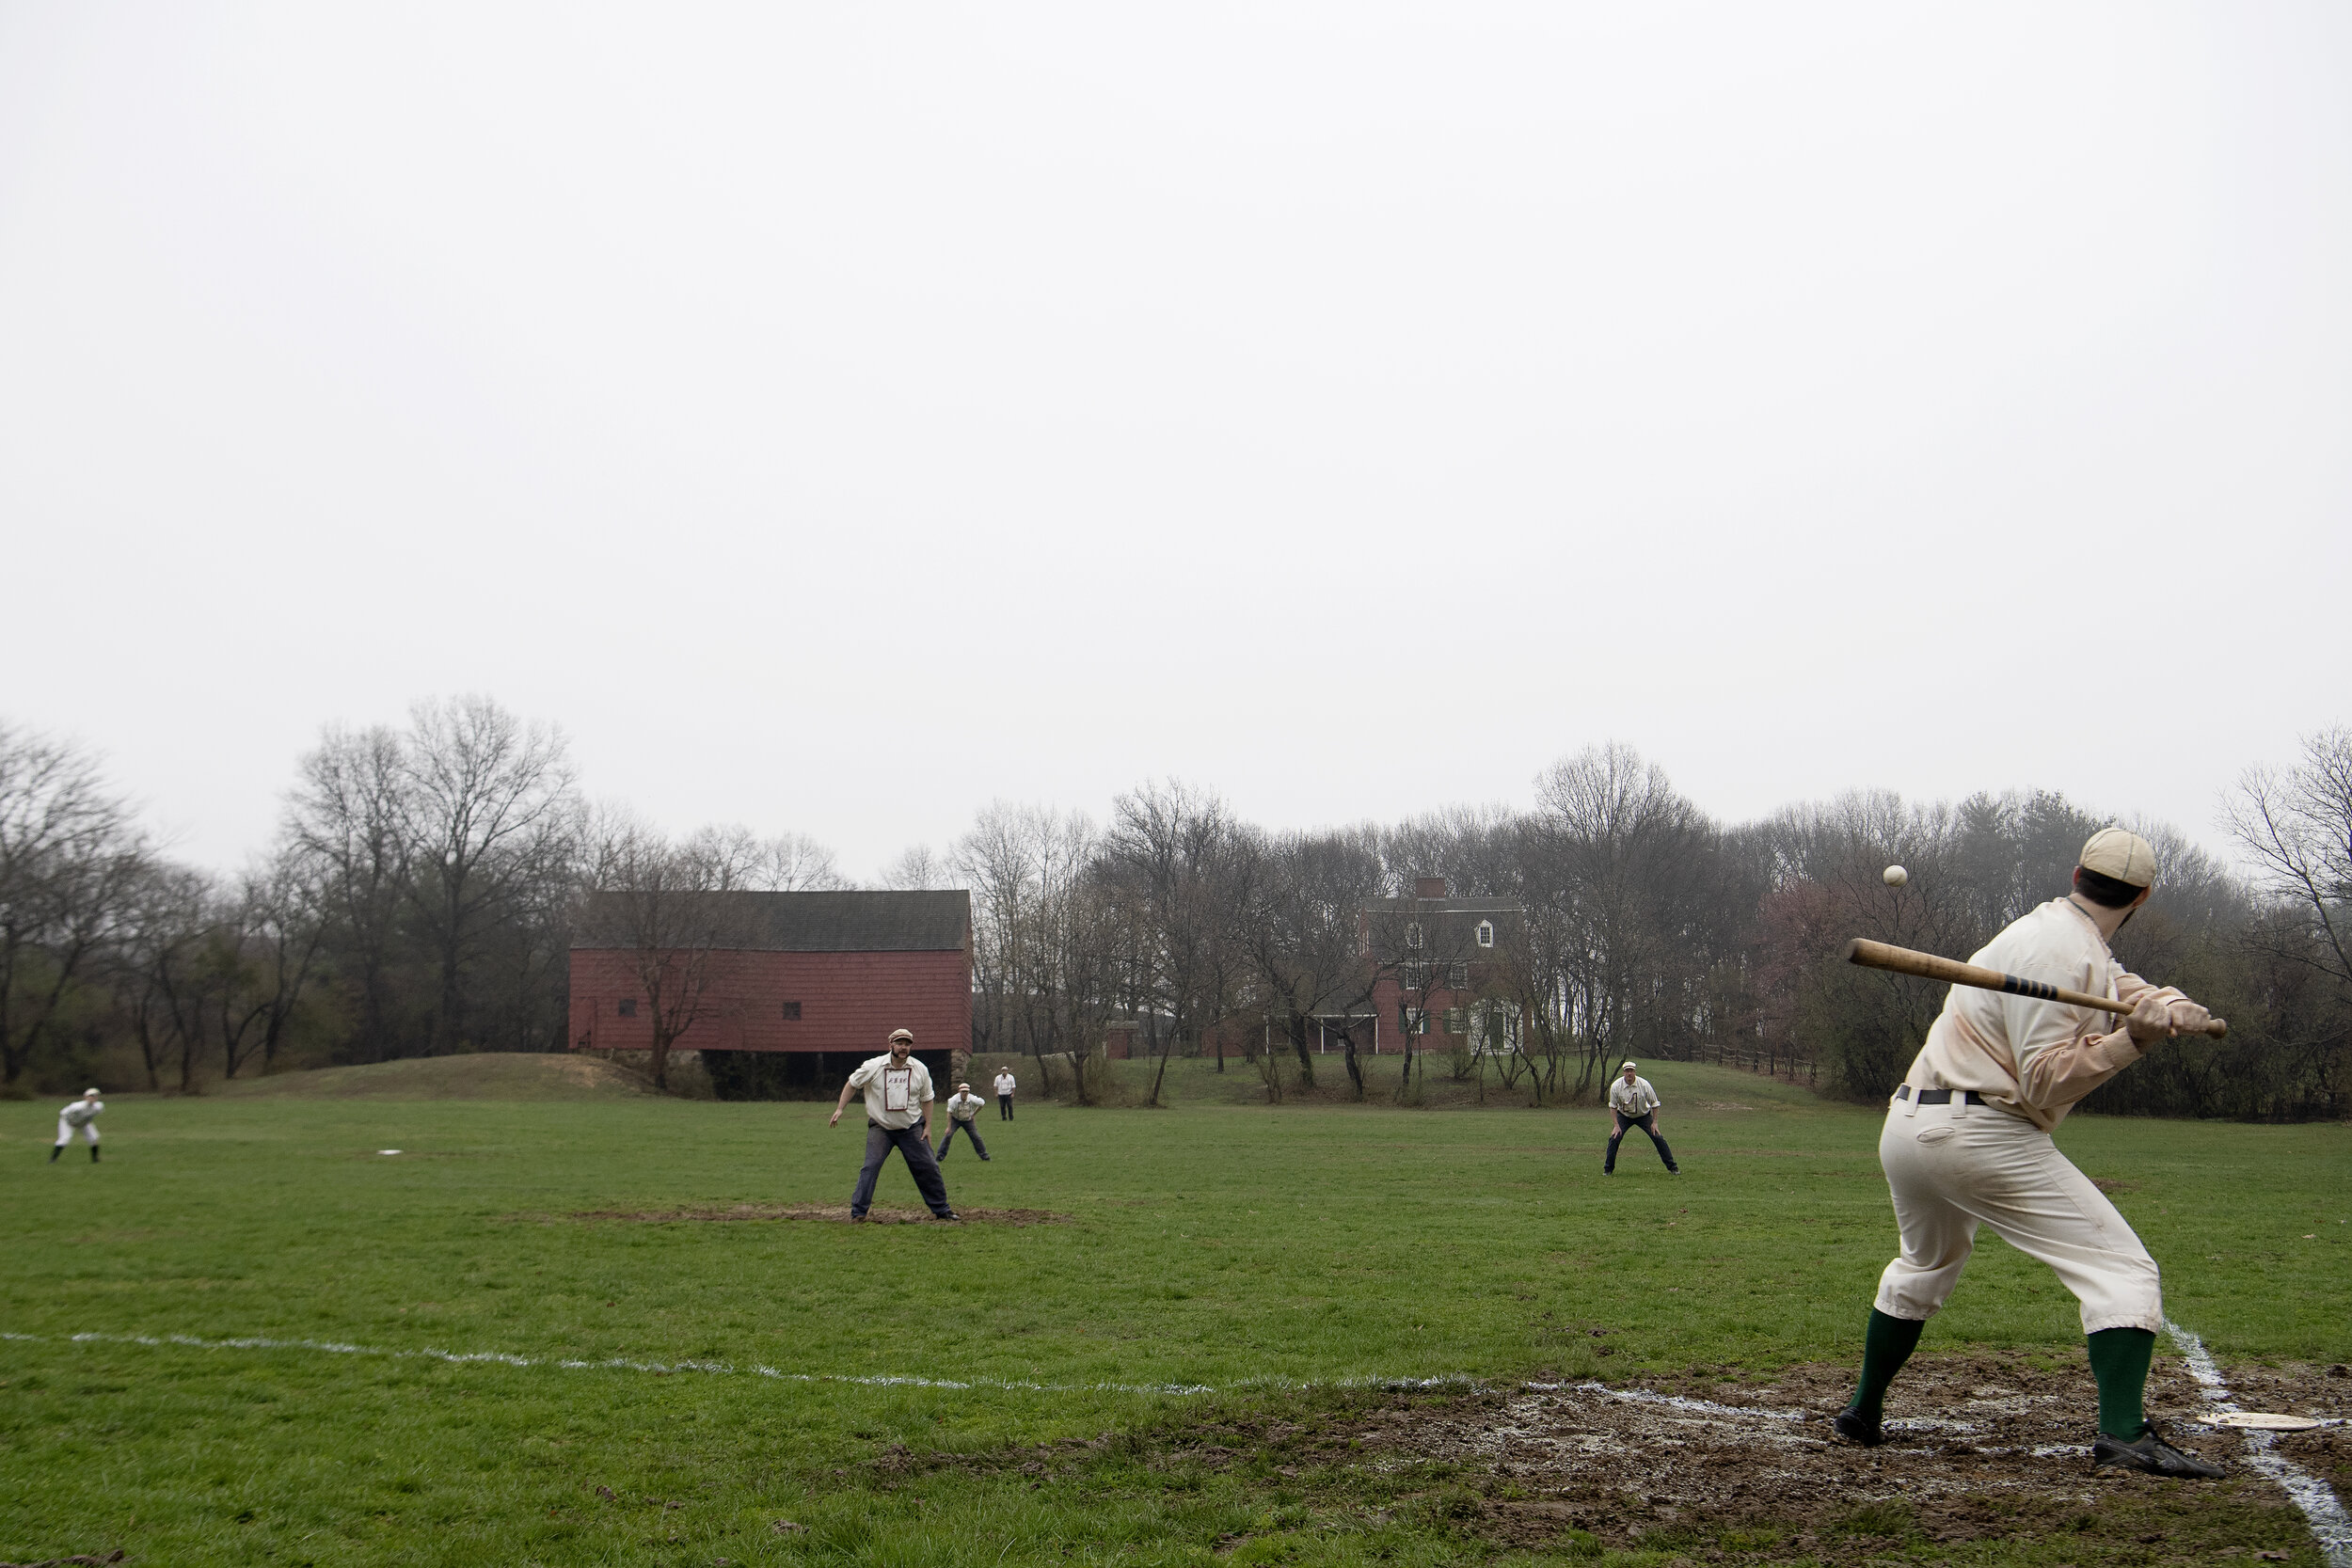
(2264, 1421)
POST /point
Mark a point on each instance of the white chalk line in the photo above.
(2330, 1525)
(722, 1369)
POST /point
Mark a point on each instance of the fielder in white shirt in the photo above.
(1004, 1095)
(963, 1107)
(82, 1112)
(1633, 1103)
(897, 1116)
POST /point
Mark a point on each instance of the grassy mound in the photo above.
(499, 1075)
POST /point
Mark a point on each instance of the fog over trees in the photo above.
(427, 881)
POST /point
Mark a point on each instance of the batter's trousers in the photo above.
(1954, 1166)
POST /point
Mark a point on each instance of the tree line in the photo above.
(427, 881)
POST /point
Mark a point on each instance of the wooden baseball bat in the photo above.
(1904, 961)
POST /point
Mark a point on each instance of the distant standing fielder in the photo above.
(82, 1112)
(1633, 1103)
(964, 1116)
(1967, 1142)
(1004, 1095)
(897, 1116)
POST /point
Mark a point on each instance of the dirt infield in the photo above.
(836, 1213)
(1979, 1446)
(1983, 1449)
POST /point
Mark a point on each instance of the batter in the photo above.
(1967, 1142)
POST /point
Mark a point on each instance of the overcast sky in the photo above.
(838, 417)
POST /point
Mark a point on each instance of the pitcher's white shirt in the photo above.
(1632, 1100)
(1004, 1082)
(963, 1107)
(2035, 1058)
(78, 1113)
(894, 1097)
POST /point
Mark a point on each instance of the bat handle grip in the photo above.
(2217, 1027)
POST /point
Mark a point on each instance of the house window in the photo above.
(1412, 936)
(1486, 933)
(792, 1012)
(1457, 977)
(1457, 1020)
(1414, 1020)
(628, 1007)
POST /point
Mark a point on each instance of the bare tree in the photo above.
(158, 969)
(347, 834)
(1295, 925)
(678, 909)
(918, 867)
(2296, 827)
(70, 861)
(491, 819)
(1177, 859)
(1040, 937)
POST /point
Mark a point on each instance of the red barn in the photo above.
(819, 979)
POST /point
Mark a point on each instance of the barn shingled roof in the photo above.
(928, 921)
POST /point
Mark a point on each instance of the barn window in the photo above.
(792, 1012)
(1486, 933)
(628, 1007)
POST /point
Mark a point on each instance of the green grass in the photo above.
(1244, 1248)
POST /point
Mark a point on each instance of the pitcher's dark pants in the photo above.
(970, 1130)
(1004, 1107)
(911, 1148)
(1646, 1123)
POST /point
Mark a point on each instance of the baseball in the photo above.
(1894, 876)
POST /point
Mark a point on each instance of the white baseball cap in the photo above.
(1623, 1066)
(87, 1093)
(906, 1034)
(2120, 854)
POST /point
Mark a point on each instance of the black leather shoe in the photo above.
(1854, 1427)
(2149, 1453)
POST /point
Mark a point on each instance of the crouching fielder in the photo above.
(1967, 1142)
(82, 1112)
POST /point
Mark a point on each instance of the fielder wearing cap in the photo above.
(897, 1116)
(963, 1107)
(1967, 1142)
(1633, 1103)
(82, 1114)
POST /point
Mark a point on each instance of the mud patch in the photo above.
(1978, 1448)
(836, 1213)
(1982, 1449)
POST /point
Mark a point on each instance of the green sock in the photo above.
(1885, 1347)
(2118, 1359)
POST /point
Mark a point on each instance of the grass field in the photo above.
(1275, 1260)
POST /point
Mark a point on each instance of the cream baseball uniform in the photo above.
(80, 1115)
(1954, 1166)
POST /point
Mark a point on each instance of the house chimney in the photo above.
(1429, 887)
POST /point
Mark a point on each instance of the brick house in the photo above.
(819, 978)
(1439, 969)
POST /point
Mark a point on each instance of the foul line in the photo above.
(722, 1369)
(2330, 1525)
